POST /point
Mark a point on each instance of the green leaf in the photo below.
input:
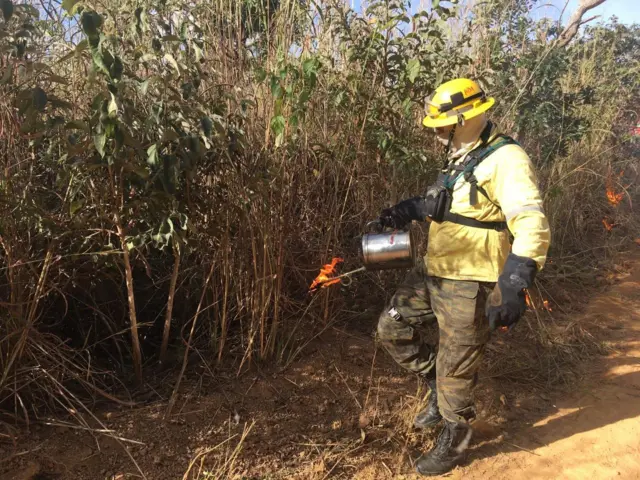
(116, 68)
(310, 66)
(70, 6)
(195, 147)
(139, 170)
(168, 136)
(38, 99)
(143, 87)
(112, 109)
(207, 125)
(98, 59)
(96, 103)
(100, 140)
(76, 205)
(435, 3)
(91, 21)
(57, 79)
(276, 89)
(413, 69)
(166, 226)
(7, 9)
(77, 125)
(59, 103)
(278, 124)
(304, 96)
(199, 54)
(172, 61)
(81, 47)
(260, 74)
(152, 155)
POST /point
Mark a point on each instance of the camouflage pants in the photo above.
(458, 308)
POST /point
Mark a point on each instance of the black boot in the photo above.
(448, 451)
(430, 416)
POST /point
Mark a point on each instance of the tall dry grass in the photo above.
(316, 114)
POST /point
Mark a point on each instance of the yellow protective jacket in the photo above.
(460, 252)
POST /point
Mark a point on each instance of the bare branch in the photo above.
(590, 19)
(571, 29)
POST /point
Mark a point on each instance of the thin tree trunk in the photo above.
(185, 359)
(172, 292)
(135, 341)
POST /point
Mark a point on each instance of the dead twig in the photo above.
(522, 448)
(348, 388)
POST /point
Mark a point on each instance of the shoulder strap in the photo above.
(466, 169)
(468, 221)
(474, 158)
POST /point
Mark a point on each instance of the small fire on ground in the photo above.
(607, 224)
(614, 197)
(545, 303)
(324, 279)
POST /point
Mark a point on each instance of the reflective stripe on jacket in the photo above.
(467, 253)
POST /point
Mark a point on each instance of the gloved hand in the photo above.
(402, 213)
(506, 304)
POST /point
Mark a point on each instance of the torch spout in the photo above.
(347, 276)
(337, 279)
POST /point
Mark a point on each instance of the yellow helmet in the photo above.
(455, 101)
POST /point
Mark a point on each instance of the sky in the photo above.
(627, 11)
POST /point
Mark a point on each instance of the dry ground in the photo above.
(344, 410)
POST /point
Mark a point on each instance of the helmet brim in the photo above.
(430, 122)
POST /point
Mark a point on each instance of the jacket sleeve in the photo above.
(515, 187)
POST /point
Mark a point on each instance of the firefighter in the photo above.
(472, 279)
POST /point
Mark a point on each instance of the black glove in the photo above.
(506, 304)
(401, 214)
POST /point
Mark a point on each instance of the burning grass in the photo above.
(326, 276)
(613, 196)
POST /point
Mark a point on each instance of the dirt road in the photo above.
(594, 432)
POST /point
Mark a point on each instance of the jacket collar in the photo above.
(475, 143)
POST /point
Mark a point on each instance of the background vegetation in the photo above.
(174, 173)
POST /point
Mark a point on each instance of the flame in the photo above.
(324, 278)
(613, 197)
(529, 302)
(609, 226)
